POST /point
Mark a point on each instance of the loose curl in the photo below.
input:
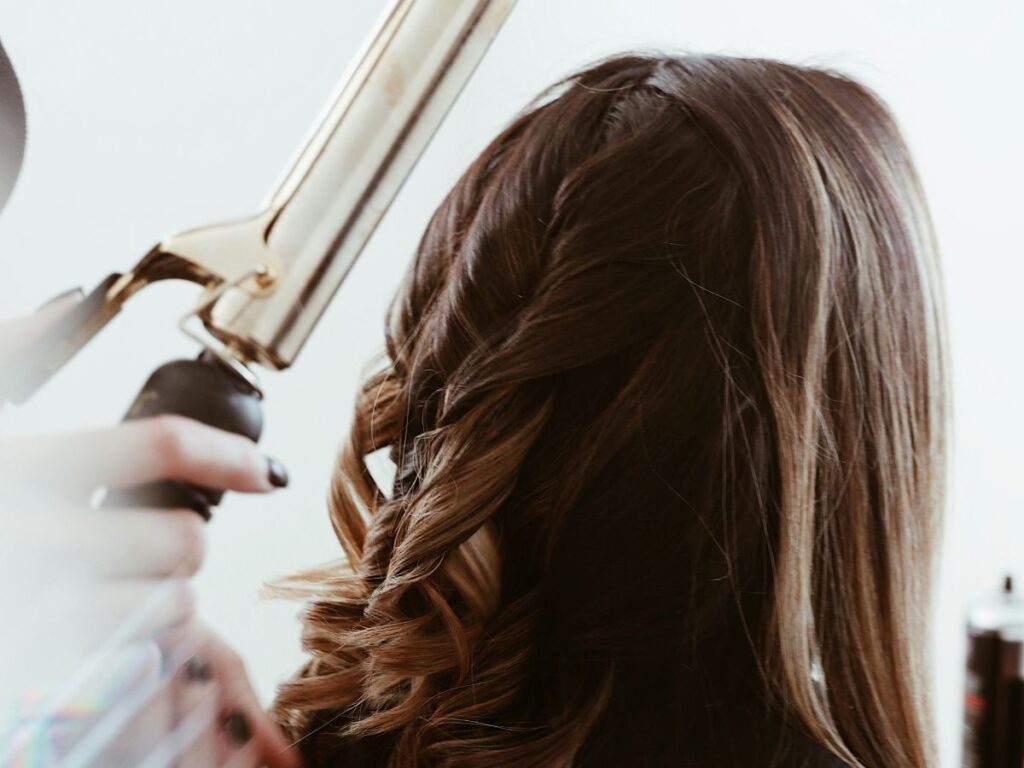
(664, 392)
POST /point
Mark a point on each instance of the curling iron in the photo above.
(268, 279)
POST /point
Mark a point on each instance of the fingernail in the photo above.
(236, 727)
(197, 670)
(276, 473)
(61, 297)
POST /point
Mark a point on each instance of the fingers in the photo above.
(241, 733)
(87, 544)
(245, 756)
(142, 451)
(128, 543)
(198, 709)
(74, 626)
(122, 612)
(173, 447)
(98, 578)
(245, 720)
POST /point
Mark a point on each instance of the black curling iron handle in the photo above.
(203, 389)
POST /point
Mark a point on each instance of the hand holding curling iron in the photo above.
(103, 595)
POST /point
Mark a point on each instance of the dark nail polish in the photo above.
(276, 472)
(197, 670)
(64, 295)
(236, 727)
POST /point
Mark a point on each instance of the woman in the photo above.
(665, 393)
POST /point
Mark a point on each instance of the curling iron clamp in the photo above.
(268, 279)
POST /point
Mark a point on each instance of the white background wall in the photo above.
(148, 117)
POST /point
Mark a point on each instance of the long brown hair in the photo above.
(665, 390)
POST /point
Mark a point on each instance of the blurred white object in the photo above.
(12, 127)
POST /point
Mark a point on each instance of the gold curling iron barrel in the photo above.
(269, 278)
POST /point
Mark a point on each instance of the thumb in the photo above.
(19, 334)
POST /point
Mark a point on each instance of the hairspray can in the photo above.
(994, 688)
